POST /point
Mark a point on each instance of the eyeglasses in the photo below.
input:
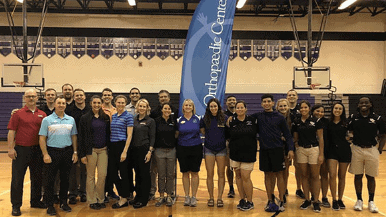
(31, 97)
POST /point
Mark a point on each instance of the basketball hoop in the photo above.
(19, 83)
(314, 86)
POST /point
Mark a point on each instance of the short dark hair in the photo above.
(372, 105)
(67, 84)
(166, 103)
(79, 89)
(292, 90)
(164, 91)
(107, 89)
(230, 96)
(241, 101)
(59, 97)
(316, 106)
(135, 88)
(266, 96)
(49, 89)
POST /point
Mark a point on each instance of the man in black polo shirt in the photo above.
(78, 171)
(366, 126)
(49, 106)
(231, 103)
(68, 93)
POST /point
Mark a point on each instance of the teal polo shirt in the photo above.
(58, 130)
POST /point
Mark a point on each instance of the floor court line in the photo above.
(7, 191)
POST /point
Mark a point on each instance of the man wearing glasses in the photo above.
(24, 150)
(135, 95)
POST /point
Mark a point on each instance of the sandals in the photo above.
(220, 203)
(211, 202)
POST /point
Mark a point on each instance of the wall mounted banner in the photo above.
(303, 50)
(5, 45)
(245, 49)
(64, 46)
(177, 48)
(49, 46)
(233, 50)
(259, 49)
(107, 47)
(121, 47)
(206, 56)
(31, 46)
(286, 49)
(135, 47)
(273, 49)
(93, 46)
(148, 46)
(79, 46)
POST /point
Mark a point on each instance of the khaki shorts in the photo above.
(307, 155)
(364, 160)
(235, 165)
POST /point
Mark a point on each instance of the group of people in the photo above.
(66, 141)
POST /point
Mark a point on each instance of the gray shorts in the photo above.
(208, 152)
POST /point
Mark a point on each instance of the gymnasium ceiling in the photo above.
(262, 8)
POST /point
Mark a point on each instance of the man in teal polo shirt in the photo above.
(58, 142)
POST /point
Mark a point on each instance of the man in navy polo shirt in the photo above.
(366, 126)
(23, 149)
(272, 127)
(58, 143)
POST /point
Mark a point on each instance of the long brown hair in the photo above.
(208, 114)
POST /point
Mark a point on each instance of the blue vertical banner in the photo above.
(206, 56)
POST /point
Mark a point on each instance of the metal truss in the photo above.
(264, 8)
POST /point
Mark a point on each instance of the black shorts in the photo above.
(341, 153)
(190, 158)
(272, 160)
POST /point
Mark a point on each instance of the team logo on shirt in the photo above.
(249, 123)
(194, 121)
(312, 123)
(182, 122)
(40, 116)
(372, 121)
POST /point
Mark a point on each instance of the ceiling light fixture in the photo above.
(20, 1)
(240, 4)
(346, 4)
(131, 2)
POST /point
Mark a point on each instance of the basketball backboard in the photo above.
(311, 78)
(27, 74)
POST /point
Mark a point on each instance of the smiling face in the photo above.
(96, 104)
(120, 103)
(107, 97)
(67, 92)
(50, 96)
(267, 104)
(188, 107)
(79, 97)
(30, 98)
(304, 109)
(142, 108)
(163, 98)
(319, 112)
(166, 111)
(231, 102)
(213, 108)
(337, 110)
(364, 104)
(292, 96)
(134, 95)
(241, 110)
(60, 105)
(282, 107)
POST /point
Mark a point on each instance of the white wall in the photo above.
(356, 66)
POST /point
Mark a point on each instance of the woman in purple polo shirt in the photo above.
(189, 150)
(213, 127)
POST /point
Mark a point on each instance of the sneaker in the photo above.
(316, 207)
(335, 205)
(305, 204)
(241, 204)
(358, 205)
(83, 198)
(95, 206)
(325, 202)
(193, 202)
(341, 204)
(271, 207)
(51, 210)
(248, 206)
(372, 207)
(281, 206)
(299, 193)
(65, 207)
(169, 201)
(187, 201)
(160, 201)
(231, 194)
(72, 200)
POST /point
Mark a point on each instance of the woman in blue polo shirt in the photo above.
(213, 127)
(121, 133)
(189, 150)
(308, 137)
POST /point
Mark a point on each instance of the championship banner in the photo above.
(206, 54)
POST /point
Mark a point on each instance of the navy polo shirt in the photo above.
(189, 131)
(307, 131)
(214, 134)
(98, 126)
(366, 129)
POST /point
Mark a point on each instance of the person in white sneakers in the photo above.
(366, 127)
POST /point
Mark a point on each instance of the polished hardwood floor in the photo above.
(229, 209)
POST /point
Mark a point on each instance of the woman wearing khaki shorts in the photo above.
(243, 148)
(308, 136)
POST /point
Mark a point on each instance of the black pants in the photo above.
(131, 174)
(62, 162)
(78, 176)
(142, 174)
(114, 165)
(26, 157)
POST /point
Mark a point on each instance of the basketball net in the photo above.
(19, 83)
(314, 86)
